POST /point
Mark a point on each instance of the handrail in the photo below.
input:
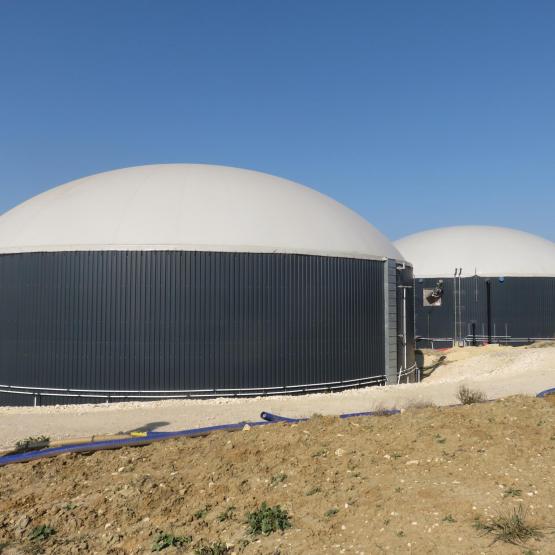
(114, 395)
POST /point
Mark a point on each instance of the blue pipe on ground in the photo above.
(117, 443)
(386, 412)
(267, 418)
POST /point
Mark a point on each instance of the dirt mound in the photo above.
(410, 483)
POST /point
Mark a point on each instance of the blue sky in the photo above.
(415, 114)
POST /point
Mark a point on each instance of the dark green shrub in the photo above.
(267, 520)
(42, 532)
(165, 540)
(217, 548)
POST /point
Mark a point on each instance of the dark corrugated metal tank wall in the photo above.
(188, 320)
(521, 307)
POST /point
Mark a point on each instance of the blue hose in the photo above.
(267, 418)
(387, 412)
(546, 392)
(117, 443)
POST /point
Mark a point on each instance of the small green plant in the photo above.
(396, 455)
(41, 533)
(510, 528)
(512, 492)
(32, 443)
(398, 489)
(227, 514)
(468, 396)
(164, 540)
(69, 506)
(266, 520)
(400, 534)
(320, 453)
(278, 478)
(313, 491)
(440, 439)
(449, 518)
(331, 512)
(218, 548)
(201, 513)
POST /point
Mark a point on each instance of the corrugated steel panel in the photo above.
(521, 308)
(392, 332)
(188, 320)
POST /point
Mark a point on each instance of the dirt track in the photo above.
(410, 483)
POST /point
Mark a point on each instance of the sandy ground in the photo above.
(495, 370)
(412, 483)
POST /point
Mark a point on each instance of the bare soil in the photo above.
(408, 483)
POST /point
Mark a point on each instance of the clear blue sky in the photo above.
(416, 114)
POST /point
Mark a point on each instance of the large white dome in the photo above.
(189, 207)
(479, 250)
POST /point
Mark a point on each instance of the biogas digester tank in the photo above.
(195, 280)
(497, 285)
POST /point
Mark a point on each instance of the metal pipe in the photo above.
(488, 308)
(455, 303)
(404, 328)
(460, 307)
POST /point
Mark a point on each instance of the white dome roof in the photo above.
(189, 207)
(479, 250)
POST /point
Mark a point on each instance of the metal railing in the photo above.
(469, 339)
(125, 395)
(410, 371)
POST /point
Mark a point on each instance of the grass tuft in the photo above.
(511, 528)
(201, 513)
(313, 491)
(227, 514)
(512, 492)
(32, 444)
(278, 479)
(469, 396)
(382, 411)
